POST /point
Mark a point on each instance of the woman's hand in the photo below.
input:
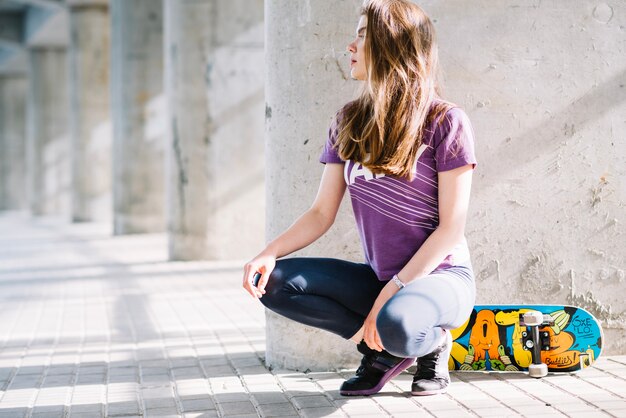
(370, 332)
(263, 264)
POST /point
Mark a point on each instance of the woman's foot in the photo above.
(432, 376)
(377, 368)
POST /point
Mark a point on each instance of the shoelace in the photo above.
(366, 361)
(369, 362)
(426, 367)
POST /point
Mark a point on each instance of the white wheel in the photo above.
(537, 370)
(532, 318)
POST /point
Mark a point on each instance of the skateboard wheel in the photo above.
(533, 318)
(537, 370)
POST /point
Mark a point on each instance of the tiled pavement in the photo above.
(93, 325)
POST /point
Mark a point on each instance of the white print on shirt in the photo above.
(358, 170)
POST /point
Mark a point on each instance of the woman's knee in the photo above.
(278, 286)
(404, 330)
(393, 331)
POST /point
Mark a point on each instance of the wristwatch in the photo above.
(397, 281)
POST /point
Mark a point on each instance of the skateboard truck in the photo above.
(535, 340)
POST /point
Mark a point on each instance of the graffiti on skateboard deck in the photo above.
(526, 338)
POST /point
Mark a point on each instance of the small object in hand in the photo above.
(256, 278)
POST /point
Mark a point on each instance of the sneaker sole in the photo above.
(429, 392)
(391, 373)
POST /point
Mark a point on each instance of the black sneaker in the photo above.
(432, 376)
(377, 368)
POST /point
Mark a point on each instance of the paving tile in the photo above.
(592, 414)
(410, 414)
(59, 380)
(321, 412)
(231, 397)
(394, 404)
(154, 403)
(192, 388)
(218, 370)
(360, 406)
(269, 398)
(187, 372)
(574, 407)
(91, 379)
(47, 414)
(162, 413)
(315, 401)
(232, 408)
(86, 409)
(86, 415)
(538, 410)
(611, 405)
(204, 414)
(244, 416)
(200, 404)
(278, 410)
(495, 412)
(123, 408)
(13, 412)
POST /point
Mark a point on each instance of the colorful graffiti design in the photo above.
(491, 339)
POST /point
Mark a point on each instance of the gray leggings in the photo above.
(337, 295)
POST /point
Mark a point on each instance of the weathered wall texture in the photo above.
(138, 112)
(544, 85)
(214, 82)
(186, 152)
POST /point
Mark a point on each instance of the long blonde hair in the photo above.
(384, 127)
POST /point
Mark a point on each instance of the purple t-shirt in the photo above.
(395, 216)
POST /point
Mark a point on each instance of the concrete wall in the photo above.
(13, 90)
(90, 111)
(543, 84)
(13, 142)
(214, 78)
(48, 141)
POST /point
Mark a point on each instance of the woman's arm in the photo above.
(305, 230)
(454, 194)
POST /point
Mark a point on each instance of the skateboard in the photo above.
(526, 338)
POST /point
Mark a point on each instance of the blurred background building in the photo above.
(187, 116)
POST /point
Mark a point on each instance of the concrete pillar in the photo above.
(13, 91)
(214, 82)
(90, 120)
(307, 81)
(138, 104)
(48, 158)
